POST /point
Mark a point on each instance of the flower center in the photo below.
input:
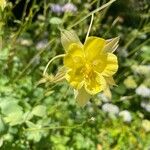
(87, 71)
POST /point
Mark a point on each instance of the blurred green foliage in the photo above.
(45, 116)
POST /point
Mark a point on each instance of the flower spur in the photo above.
(88, 67)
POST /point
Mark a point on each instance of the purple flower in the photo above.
(69, 7)
(56, 8)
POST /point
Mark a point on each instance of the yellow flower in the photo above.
(89, 66)
(2, 4)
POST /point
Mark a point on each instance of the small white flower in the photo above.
(141, 69)
(41, 44)
(146, 125)
(103, 97)
(146, 105)
(126, 115)
(110, 108)
(143, 91)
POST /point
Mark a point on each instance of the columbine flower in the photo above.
(89, 66)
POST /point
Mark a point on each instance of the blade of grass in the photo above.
(138, 47)
(92, 18)
(92, 12)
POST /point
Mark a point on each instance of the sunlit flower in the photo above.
(110, 108)
(103, 97)
(143, 91)
(126, 115)
(2, 4)
(141, 69)
(89, 66)
(130, 83)
(146, 125)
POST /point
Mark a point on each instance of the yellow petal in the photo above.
(110, 81)
(75, 78)
(82, 97)
(68, 38)
(76, 50)
(60, 75)
(74, 57)
(99, 63)
(107, 93)
(95, 84)
(111, 66)
(111, 45)
(2, 4)
(93, 46)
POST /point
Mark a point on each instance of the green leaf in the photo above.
(14, 118)
(0, 42)
(2, 126)
(8, 107)
(1, 142)
(55, 20)
(4, 54)
(39, 111)
(34, 131)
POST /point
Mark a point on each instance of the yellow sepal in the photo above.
(82, 97)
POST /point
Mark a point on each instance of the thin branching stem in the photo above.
(58, 56)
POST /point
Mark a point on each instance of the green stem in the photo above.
(94, 11)
(92, 18)
(134, 50)
(59, 56)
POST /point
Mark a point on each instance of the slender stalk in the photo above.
(50, 128)
(135, 49)
(92, 18)
(59, 56)
(59, 127)
(94, 11)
